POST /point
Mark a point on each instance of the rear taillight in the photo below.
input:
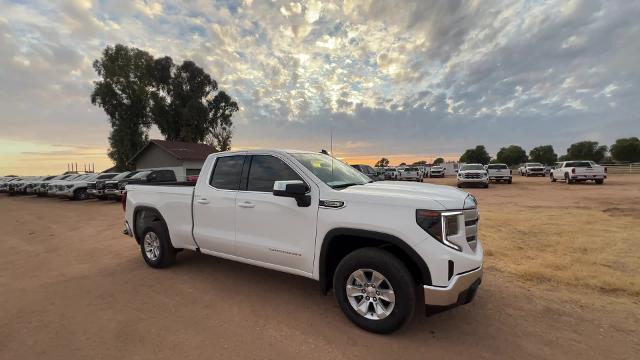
(124, 201)
(573, 171)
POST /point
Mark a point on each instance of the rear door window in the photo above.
(227, 172)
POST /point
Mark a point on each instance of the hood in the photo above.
(447, 197)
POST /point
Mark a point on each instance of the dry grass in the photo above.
(586, 248)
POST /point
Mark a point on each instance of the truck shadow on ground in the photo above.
(281, 293)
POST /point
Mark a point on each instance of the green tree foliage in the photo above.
(136, 91)
(586, 150)
(384, 162)
(512, 155)
(421, 162)
(123, 91)
(626, 150)
(187, 106)
(477, 155)
(543, 154)
(403, 164)
(438, 161)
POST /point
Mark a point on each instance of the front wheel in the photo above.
(567, 179)
(374, 290)
(80, 194)
(553, 179)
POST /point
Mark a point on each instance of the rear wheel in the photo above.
(567, 179)
(600, 181)
(156, 247)
(374, 290)
(509, 181)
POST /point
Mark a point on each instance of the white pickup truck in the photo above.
(380, 245)
(578, 171)
(499, 172)
(532, 169)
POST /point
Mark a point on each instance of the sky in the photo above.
(408, 80)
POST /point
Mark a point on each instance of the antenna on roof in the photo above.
(331, 146)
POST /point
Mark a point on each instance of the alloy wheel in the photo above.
(370, 294)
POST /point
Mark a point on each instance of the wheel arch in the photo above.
(339, 242)
(144, 215)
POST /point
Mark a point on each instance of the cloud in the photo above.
(403, 77)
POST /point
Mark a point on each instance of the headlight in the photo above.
(439, 225)
(470, 202)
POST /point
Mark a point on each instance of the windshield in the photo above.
(106, 176)
(497, 166)
(534, 164)
(471, 167)
(332, 172)
(140, 174)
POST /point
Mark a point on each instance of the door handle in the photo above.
(203, 201)
(247, 205)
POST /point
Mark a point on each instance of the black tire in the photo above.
(486, 186)
(509, 181)
(459, 186)
(398, 277)
(553, 179)
(600, 181)
(80, 194)
(167, 254)
(567, 179)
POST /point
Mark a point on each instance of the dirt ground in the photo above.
(562, 279)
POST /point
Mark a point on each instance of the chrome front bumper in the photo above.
(460, 291)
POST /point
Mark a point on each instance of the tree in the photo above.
(586, 150)
(421, 162)
(438, 161)
(477, 155)
(626, 150)
(512, 155)
(187, 106)
(403, 164)
(543, 154)
(123, 91)
(384, 162)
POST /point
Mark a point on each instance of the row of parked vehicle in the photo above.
(568, 171)
(82, 186)
(410, 173)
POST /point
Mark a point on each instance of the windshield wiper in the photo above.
(345, 185)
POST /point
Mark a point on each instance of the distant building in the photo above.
(184, 158)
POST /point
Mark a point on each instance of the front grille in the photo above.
(472, 176)
(110, 186)
(121, 186)
(99, 185)
(91, 185)
(471, 219)
(536, 169)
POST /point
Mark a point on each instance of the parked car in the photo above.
(369, 171)
(390, 173)
(377, 244)
(76, 188)
(578, 171)
(499, 172)
(19, 187)
(473, 174)
(49, 185)
(532, 169)
(95, 188)
(4, 186)
(147, 176)
(409, 173)
(33, 187)
(436, 171)
(111, 186)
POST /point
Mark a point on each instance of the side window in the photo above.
(265, 170)
(227, 171)
(165, 175)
